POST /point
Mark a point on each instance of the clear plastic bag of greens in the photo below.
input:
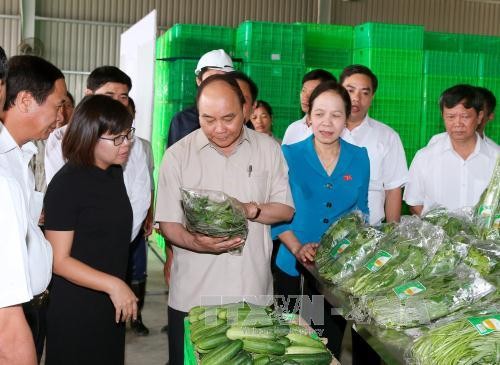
(448, 256)
(335, 233)
(349, 254)
(453, 223)
(401, 256)
(484, 256)
(469, 339)
(487, 210)
(215, 214)
(422, 300)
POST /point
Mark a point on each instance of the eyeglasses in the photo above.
(118, 140)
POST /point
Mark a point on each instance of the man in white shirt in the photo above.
(301, 129)
(454, 170)
(388, 169)
(111, 81)
(33, 106)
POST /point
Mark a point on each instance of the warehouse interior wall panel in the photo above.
(214, 12)
(79, 46)
(76, 84)
(455, 16)
(10, 34)
(10, 7)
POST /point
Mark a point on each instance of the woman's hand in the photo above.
(124, 300)
(306, 253)
(216, 245)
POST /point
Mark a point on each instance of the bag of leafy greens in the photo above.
(213, 213)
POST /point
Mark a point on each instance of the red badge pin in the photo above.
(347, 177)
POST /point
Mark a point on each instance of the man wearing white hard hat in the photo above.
(186, 121)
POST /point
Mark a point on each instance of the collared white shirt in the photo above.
(135, 174)
(255, 171)
(439, 136)
(439, 176)
(20, 208)
(388, 168)
(297, 131)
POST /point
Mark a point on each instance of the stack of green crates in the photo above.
(273, 56)
(489, 77)
(394, 52)
(327, 46)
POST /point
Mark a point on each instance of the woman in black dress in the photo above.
(88, 221)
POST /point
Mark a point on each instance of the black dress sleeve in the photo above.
(61, 203)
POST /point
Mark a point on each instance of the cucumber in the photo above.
(237, 332)
(193, 318)
(235, 314)
(221, 354)
(261, 359)
(207, 321)
(322, 358)
(285, 341)
(295, 328)
(303, 340)
(281, 330)
(291, 350)
(261, 346)
(196, 310)
(242, 358)
(211, 342)
(255, 321)
(209, 331)
(209, 312)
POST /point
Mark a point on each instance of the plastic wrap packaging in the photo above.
(423, 300)
(453, 223)
(448, 256)
(349, 254)
(213, 213)
(350, 222)
(472, 339)
(487, 210)
(484, 256)
(400, 257)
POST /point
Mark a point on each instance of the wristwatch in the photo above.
(257, 213)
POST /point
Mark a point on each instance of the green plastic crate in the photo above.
(489, 66)
(382, 35)
(445, 42)
(390, 61)
(175, 80)
(328, 36)
(435, 85)
(394, 86)
(493, 128)
(432, 121)
(330, 58)
(451, 63)
(279, 84)
(476, 43)
(194, 40)
(334, 71)
(270, 42)
(283, 116)
(189, 352)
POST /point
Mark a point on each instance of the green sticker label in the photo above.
(486, 212)
(379, 260)
(486, 324)
(339, 248)
(409, 289)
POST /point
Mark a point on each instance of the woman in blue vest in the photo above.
(329, 178)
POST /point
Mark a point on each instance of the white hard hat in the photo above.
(216, 60)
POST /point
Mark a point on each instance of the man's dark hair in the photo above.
(238, 75)
(359, 69)
(318, 74)
(32, 74)
(71, 98)
(467, 95)
(131, 104)
(226, 78)
(104, 74)
(334, 87)
(3, 63)
(489, 99)
(93, 116)
(265, 105)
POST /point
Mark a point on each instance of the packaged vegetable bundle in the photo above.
(400, 257)
(484, 256)
(448, 256)
(350, 222)
(470, 340)
(453, 223)
(213, 213)
(487, 210)
(349, 254)
(423, 300)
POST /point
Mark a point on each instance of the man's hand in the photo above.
(148, 224)
(208, 244)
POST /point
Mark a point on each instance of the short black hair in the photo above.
(265, 105)
(3, 63)
(93, 116)
(131, 104)
(238, 75)
(318, 74)
(226, 78)
(464, 94)
(489, 99)
(104, 74)
(334, 87)
(359, 69)
(71, 98)
(32, 74)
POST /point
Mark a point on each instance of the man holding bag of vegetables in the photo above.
(247, 166)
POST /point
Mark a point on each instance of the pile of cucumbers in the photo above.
(245, 334)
